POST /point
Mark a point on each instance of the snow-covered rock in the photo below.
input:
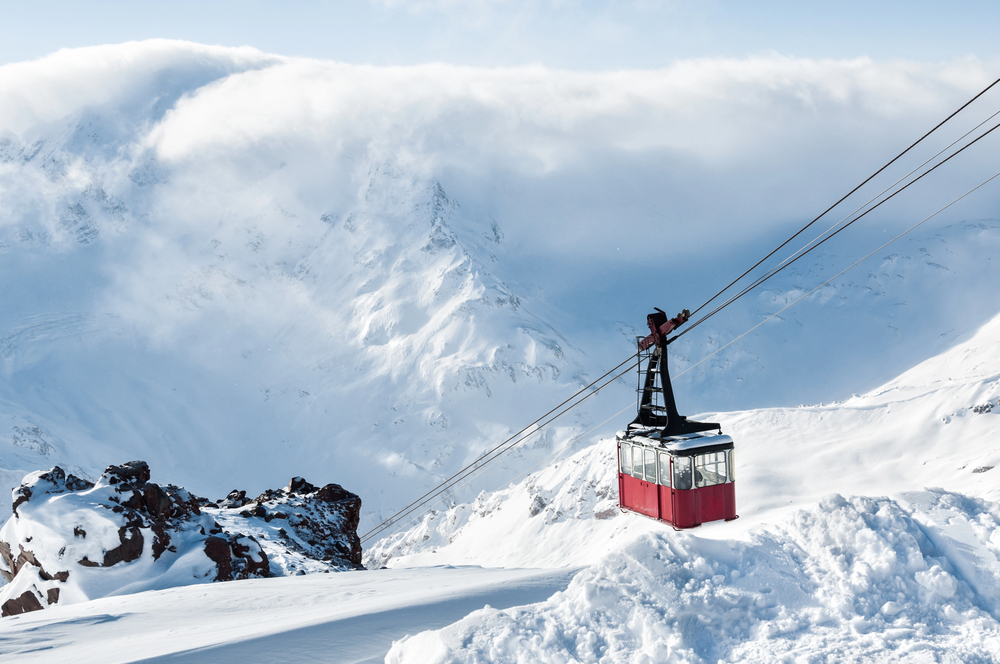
(302, 528)
(71, 540)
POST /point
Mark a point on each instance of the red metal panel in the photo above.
(683, 509)
(651, 501)
(638, 495)
(687, 508)
(666, 504)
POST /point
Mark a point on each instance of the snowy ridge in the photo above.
(71, 540)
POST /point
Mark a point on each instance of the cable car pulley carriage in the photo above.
(669, 467)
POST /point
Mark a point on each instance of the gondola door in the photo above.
(664, 474)
(650, 500)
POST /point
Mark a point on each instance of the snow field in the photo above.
(346, 617)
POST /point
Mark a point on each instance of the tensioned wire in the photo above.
(820, 238)
(842, 226)
(847, 195)
(576, 399)
(414, 515)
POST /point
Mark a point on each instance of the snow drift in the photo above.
(856, 580)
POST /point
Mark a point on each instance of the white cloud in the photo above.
(69, 80)
(762, 138)
(685, 155)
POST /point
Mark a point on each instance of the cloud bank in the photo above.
(675, 155)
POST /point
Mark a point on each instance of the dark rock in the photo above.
(299, 486)
(8, 562)
(217, 549)
(157, 502)
(130, 548)
(21, 495)
(234, 499)
(237, 557)
(331, 493)
(74, 483)
(52, 596)
(58, 576)
(23, 604)
(86, 562)
(323, 521)
(79, 532)
(134, 472)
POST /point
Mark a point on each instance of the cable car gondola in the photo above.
(669, 467)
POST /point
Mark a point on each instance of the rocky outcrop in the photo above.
(319, 524)
(66, 530)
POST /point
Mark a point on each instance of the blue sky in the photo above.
(556, 33)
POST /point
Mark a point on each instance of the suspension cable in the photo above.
(848, 194)
(484, 460)
(800, 254)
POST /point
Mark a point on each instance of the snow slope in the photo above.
(850, 580)
(352, 616)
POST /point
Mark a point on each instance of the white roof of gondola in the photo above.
(675, 443)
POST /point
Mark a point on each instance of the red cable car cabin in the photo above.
(668, 468)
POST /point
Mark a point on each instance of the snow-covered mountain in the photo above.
(260, 262)
(367, 334)
(867, 533)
